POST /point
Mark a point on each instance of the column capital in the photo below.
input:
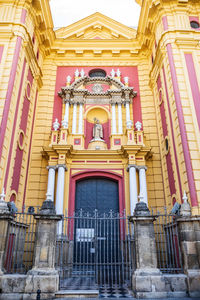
(62, 166)
(51, 167)
(131, 166)
(142, 167)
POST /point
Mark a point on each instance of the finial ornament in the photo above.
(2, 196)
(126, 80)
(141, 197)
(3, 204)
(129, 124)
(118, 73)
(69, 79)
(185, 210)
(138, 125)
(48, 196)
(76, 73)
(112, 73)
(82, 73)
(56, 125)
(64, 123)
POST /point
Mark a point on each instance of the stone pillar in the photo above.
(120, 129)
(189, 234)
(147, 278)
(132, 188)
(80, 123)
(5, 218)
(143, 184)
(60, 193)
(114, 130)
(51, 181)
(66, 116)
(74, 118)
(43, 275)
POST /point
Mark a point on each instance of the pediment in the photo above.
(96, 26)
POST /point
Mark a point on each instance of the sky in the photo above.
(66, 12)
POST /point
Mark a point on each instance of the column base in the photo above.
(157, 285)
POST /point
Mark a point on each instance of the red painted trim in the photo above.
(23, 126)
(23, 16)
(1, 52)
(96, 161)
(136, 107)
(172, 133)
(165, 23)
(194, 84)
(95, 173)
(188, 164)
(14, 125)
(29, 151)
(77, 141)
(165, 133)
(9, 93)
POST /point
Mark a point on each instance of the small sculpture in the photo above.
(138, 125)
(56, 125)
(97, 131)
(185, 210)
(82, 73)
(112, 73)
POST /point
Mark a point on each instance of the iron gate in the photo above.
(95, 250)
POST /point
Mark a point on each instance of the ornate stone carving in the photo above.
(97, 88)
(56, 125)
(97, 131)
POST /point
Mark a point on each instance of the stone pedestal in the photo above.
(43, 275)
(189, 232)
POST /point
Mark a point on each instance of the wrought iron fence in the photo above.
(167, 243)
(20, 239)
(95, 250)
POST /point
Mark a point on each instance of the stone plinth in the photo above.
(97, 145)
(189, 233)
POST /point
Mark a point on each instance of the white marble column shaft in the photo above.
(133, 188)
(65, 122)
(74, 118)
(80, 122)
(127, 112)
(60, 194)
(114, 129)
(51, 181)
(120, 130)
(143, 184)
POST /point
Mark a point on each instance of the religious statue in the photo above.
(97, 131)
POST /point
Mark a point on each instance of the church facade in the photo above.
(98, 115)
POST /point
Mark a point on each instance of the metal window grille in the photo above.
(20, 238)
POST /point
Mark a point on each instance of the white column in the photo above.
(127, 113)
(74, 118)
(120, 131)
(80, 122)
(51, 181)
(114, 131)
(60, 194)
(66, 116)
(143, 184)
(133, 188)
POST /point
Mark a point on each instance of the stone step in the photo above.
(77, 294)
